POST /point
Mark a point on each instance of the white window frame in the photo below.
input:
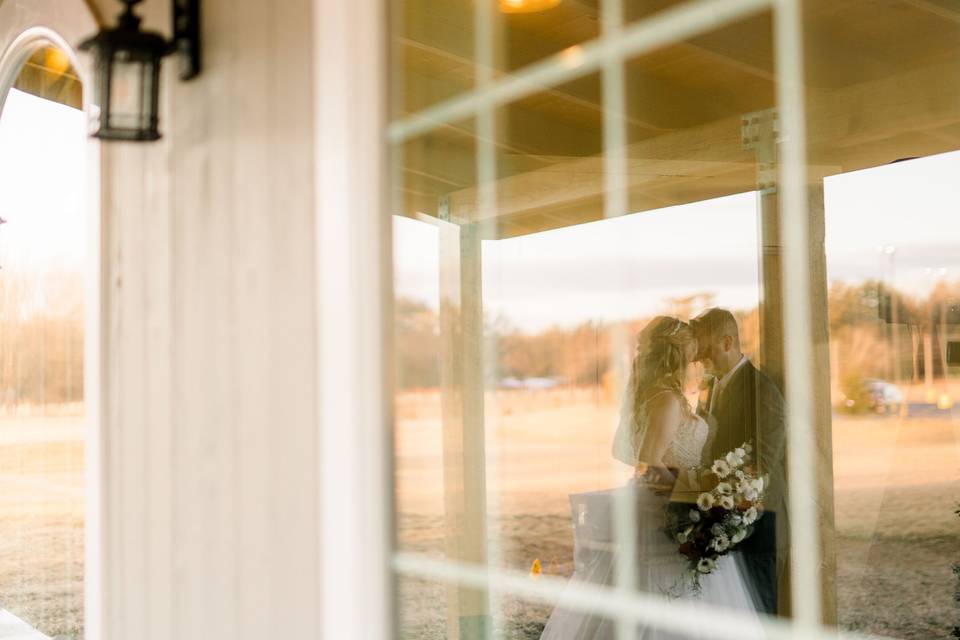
(355, 287)
(25, 26)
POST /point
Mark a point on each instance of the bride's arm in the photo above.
(665, 416)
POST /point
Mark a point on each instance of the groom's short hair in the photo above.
(717, 322)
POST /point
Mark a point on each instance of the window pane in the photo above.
(883, 87)
(893, 302)
(545, 267)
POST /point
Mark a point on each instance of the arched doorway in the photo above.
(48, 310)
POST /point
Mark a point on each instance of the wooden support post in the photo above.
(760, 133)
(771, 296)
(823, 413)
(462, 391)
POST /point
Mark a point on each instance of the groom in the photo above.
(747, 407)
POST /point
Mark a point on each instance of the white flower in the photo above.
(721, 543)
(724, 489)
(721, 468)
(750, 515)
(733, 459)
(694, 515)
(758, 484)
(740, 475)
(706, 565)
(727, 502)
(738, 536)
(717, 529)
(746, 447)
(705, 501)
(741, 452)
(750, 494)
(735, 519)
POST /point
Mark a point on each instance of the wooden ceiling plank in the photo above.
(468, 66)
(730, 61)
(945, 13)
(852, 117)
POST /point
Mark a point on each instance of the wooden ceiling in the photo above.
(49, 74)
(882, 83)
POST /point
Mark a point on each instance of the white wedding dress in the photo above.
(659, 567)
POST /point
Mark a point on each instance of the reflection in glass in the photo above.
(559, 230)
(42, 199)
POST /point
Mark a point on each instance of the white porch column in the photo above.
(353, 239)
(462, 400)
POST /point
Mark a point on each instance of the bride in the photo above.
(664, 439)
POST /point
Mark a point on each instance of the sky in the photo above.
(42, 183)
(897, 222)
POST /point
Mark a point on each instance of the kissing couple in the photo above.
(670, 434)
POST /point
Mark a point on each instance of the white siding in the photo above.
(210, 451)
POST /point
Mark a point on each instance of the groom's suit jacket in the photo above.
(750, 409)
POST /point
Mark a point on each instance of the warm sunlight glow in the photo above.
(56, 60)
(527, 6)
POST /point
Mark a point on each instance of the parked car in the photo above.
(883, 397)
(871, 395)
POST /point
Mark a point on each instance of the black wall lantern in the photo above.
(127, 71)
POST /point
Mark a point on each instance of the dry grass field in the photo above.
(896, 482)
(41, 522)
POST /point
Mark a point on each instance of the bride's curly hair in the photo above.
(661, 359)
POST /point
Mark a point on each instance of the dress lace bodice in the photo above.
(687, 447)
(683, 453)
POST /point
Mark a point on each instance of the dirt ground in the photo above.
(896, 484)
(41, 522)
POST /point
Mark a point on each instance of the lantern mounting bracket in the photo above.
(186, 36)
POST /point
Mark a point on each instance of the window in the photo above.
(564, 176)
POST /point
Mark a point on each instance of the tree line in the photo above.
(41, 337)
(863, 320)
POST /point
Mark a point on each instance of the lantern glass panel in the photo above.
(127, 99)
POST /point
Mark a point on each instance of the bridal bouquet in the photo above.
(724, 515)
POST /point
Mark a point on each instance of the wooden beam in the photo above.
(822, 405)
(578, 180)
